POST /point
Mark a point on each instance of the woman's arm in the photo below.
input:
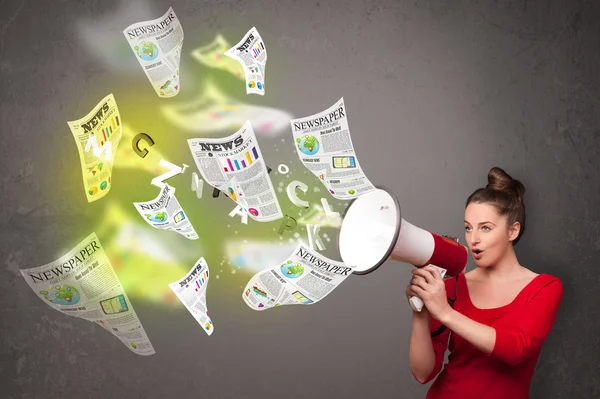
(479, 335)
(426, 354)
(422, 354)
(512, 344)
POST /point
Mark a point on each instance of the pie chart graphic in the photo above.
(232, 194)
(252, 84)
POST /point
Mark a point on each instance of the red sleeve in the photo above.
(440, 343)
(514, 345)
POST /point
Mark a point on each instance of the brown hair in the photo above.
(505, 194)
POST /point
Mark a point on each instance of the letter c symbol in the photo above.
(136, 142)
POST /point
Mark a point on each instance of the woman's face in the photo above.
(487, 234)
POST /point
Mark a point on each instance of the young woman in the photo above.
(502, 313)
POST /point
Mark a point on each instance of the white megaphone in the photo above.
(373, 231)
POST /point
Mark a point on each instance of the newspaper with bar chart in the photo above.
(234, 165)
(251, 53)
(191, 291)
(97, 136)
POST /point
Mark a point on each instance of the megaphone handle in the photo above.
(416, 303)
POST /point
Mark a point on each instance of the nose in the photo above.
(474, 238)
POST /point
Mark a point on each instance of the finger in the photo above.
(411, 292)
(416, 278)
(435, 272)
(421, 283)
(426, 274)
(419, 292)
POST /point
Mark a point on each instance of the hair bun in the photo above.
(499, 180)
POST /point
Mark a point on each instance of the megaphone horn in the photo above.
(374, 231)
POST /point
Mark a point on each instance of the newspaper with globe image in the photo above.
(157, 45)
(83, 284)
(97, 136)
(165, 213)
(252, 54)
(191, 291)
(234, 165)
(304, 278)
(324, 146)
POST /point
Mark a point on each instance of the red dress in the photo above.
(521, 328)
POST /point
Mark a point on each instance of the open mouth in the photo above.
(477, 253)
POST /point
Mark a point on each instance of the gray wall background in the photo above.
(437, 93)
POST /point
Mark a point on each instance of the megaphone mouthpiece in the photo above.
(421, 248)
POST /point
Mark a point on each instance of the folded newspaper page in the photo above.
(234, 165)
(213, 112)
(191, 291)
(252, 54)
(304, 278)
(325, 148)
(212, 56)
(83, 284)
(97, 136)
(157, 44)
(165, 213)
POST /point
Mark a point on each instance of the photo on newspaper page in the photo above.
(157, 45)
(235, 165)
(97, 137)
(252, 54)
(83, 284)
(212, 55)
(165, 213)
(324, 146)
(304, 278)
(191, 291)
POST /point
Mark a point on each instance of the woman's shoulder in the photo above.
(548, 284)
(541, 279)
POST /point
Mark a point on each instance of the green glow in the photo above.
(146, 260)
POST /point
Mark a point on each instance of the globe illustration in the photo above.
(157, 217)
(62, 295)
(308, 145)
(292, 269)
(146, 51)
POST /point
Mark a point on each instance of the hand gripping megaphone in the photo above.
(374, 231)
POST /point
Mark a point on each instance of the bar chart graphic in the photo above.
(108, 130)
(202, 280)
(259, 48)
(235, 164)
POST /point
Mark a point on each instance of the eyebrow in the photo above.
(482, 223)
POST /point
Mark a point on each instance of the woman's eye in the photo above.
(467, 228)
(486, 228)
